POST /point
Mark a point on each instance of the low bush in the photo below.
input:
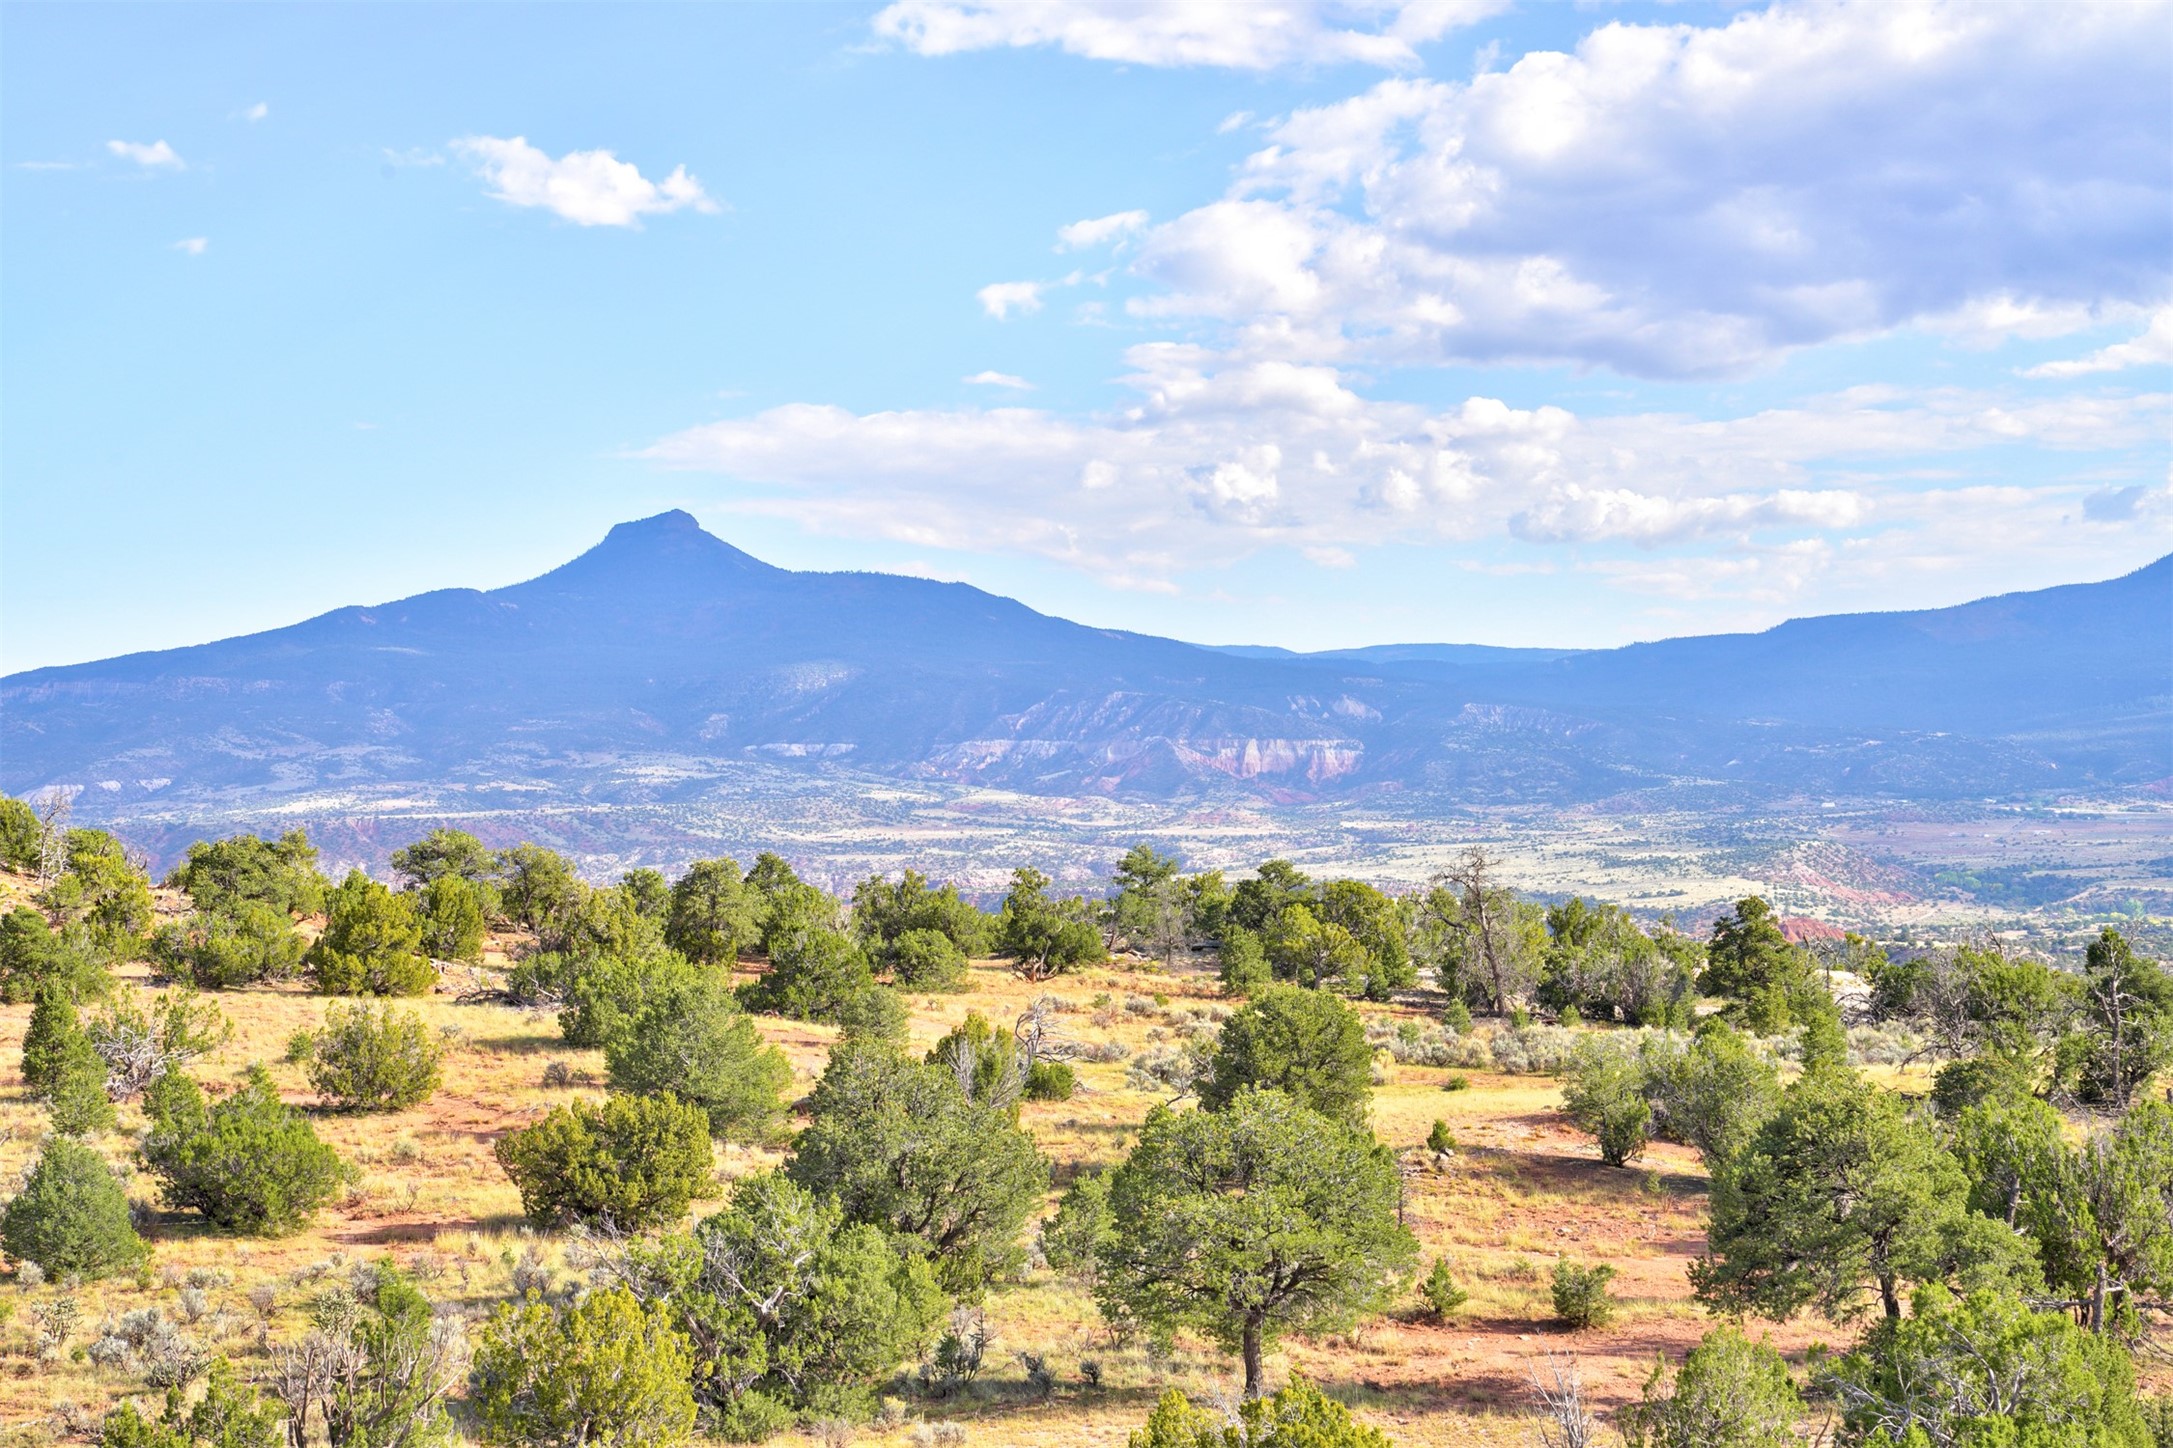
(1603, 1092)
(375, 1060)
(634, 1162)
(607, 1371)
(1439, 1292)
(249, 1164)
(1581, 1299)
(694, 1041)
(1051, 1081)
(1440, 1139)
(926, 960)
(1730, 1393)
(71, 1216)
(372, 943)
(1526, 1049)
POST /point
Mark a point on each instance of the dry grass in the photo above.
(1522, 1191)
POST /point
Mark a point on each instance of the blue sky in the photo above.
(1315, 322)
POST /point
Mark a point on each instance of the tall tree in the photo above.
(714, 916)
(1249, 1222)
(1301, 1042)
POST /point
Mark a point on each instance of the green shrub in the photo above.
(241, 942)
(926, 960)
(1456, 1081)
(635, 1162)
(877, 1011)
(229, 1415)
(1581, 1298)
(1305, 1043)
(693, 1040)
(100, 890)
(1439, 1292)
(246, 869)
(1068, 1239)
(372, 943)
(1457, 1016)
(20, 833)
(814, 975)
(713, 915)
(1603, 1092)
(453, 918)
(62, 1067)
(607, 1371)
(1440, 1139)
(374, 1060)
(71, 1216)
(1730, 1393)
(1298, 1416)
(1244, 963)
(1051, 1081)
(249, 1164)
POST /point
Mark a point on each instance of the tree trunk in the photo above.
(1252, 1360)
(1889, 1299)
(2097, 1302)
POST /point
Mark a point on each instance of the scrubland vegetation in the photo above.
(486, 1151)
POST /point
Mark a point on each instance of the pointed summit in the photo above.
(668, 552)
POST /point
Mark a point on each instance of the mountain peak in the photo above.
(667, 552)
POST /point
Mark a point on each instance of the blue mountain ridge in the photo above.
(666, 641)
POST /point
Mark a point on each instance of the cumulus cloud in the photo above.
(1001, 299)
(1099, 231)
(2154, 347)
(1255, 35)
(193, 245)
(1212, 462)
(155, 156)
(1676, 200)
(1000, 379)
(588, 188)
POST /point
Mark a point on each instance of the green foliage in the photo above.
(1313, 952)
(2127, 1034)
(33, 955)
(634, 1162)
(984, 1060)
(790, 906)
(1730, 1393)
(713, 915)
(229, 1415)
(1985, 1371)
(384, 1366)
(1603, 1092)
(1769, 983)
(878, 1011)
(1298, 1416)
(372, 943)
(140, 1040)
(1581, 1298)
(239, 942)
(1250, 1221)
(250, 1163)
(379, 1060)
(1602, 966)
(1840, 1196)
(649, 892)
(62, 1067)
(1070, 1238)
(1302, 1042)
(1440, 1138)
(813, 975)
(600, 994)
(692, 1039)
(1439, 1292)
(281, 873)
(443, 852)
(901, 1146)
(1044, 937)
(538, 890)
(20, 833)
(606, 1370)
(71, 1216)
(1244, 964)
(926, 960)
(1051, 1081)
(1256, 904)
(101, 888)
(886, 913)
(1712, 1094)
(1457, 1016)
(454, 913)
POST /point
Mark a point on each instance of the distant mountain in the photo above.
(664, 643)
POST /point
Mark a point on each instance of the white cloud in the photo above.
(1682, 200)
(257, 112)
(1001, 299)
(193, 245)
(1253, 35)
(1099, 231)
(2154, 347)
(999, 379)
(157, 155)
(588, 188)
(1213, 462)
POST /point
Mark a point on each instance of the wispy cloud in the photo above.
(1099, 230)
(157, 155)
(2155, 346)
(193, 245)
(257, 112)
(999, 379)
(588, 188)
